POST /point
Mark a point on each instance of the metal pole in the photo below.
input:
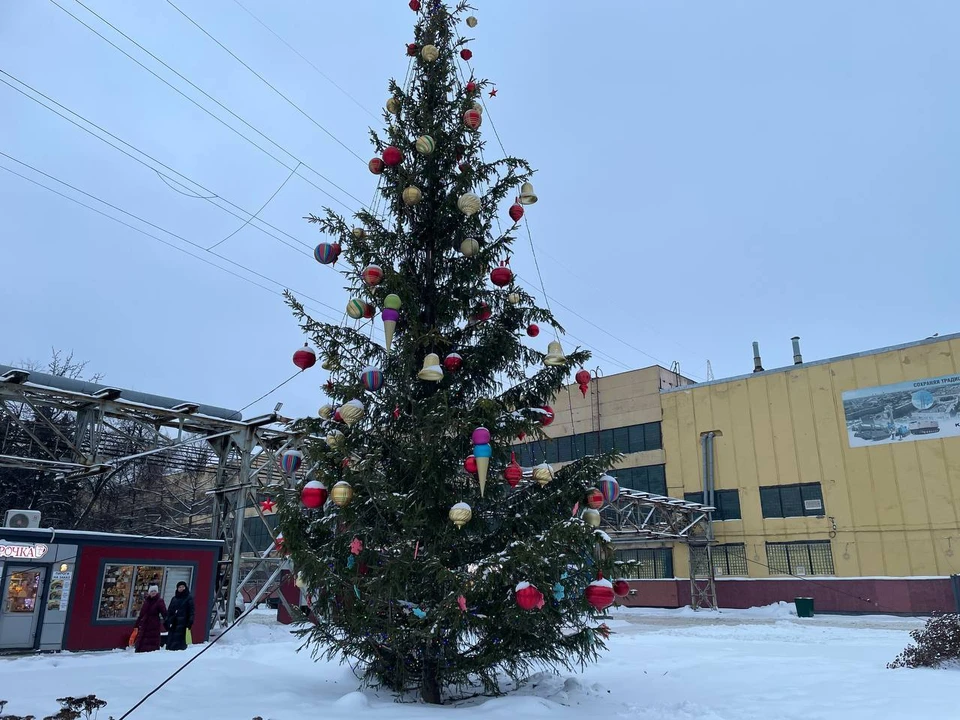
(246, 455)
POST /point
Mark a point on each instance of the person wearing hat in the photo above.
(150, 621)
(179, 618)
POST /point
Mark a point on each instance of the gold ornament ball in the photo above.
(393, 106)
(341, 493)
(412, 195)
(430, 53)
(514, 298)
(470, 247)
(543, 474)
(469, 204)
(335, 439)
(325, 411)
(591, 517)
(460, 514)
(359, 233)
(471, 21)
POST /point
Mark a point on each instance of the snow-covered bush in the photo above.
(937, 644)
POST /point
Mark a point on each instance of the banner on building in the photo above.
(914, 410)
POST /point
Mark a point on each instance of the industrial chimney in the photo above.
(797, 357)
(757, 366)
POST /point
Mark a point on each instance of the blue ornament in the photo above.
(419, 613)
(350, 562)
(558, 592)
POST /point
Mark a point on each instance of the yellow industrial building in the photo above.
(836, 478)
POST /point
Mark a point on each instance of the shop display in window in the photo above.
(22, 591)
(115, 592)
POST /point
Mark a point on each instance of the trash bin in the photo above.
(804, 607)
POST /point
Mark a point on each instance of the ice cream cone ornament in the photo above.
(432, 370)
(481, 454)
(554, 356)
(390, 314)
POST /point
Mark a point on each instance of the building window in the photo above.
(726, 502)
(629, 439)
(728, 559)
(780, 501)
(124, 587)
(648, 478)
(645, 563)
(806, 557)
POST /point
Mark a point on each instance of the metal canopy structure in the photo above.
(112, 428)
(644, 516)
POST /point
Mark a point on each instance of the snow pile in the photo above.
(758, 664)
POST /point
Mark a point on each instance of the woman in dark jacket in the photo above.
(150, 620)
(179, 618)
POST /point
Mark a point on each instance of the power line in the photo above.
(269, 200)
(212, 99)
(157, 227)
(211, 195)
(300, 55)
(266, 82)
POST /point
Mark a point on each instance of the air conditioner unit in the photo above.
(19, 519)
(812, 505)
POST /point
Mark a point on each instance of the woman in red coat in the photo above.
(150, 621)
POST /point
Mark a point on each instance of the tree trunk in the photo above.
(430, 682)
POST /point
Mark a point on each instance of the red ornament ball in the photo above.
(464, 167)
(583, 377)
(528, 597)
(533, 330)
(501, 276)
(392, 156)
(337, 417)
(452, 362)
(621, 588)
(376, 166)
(547, 416)
(412, 49)
(472, 119)
(481, 314)
(471, 87)
(415, 5)
(466, 54)
(314, 494)
(594, 498)
(305, 358)
(599, 594)
(470, 465)
(369, 311)
(372, 275)
(516, 212)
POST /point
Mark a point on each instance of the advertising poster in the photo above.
(905, 412)
(59, 595)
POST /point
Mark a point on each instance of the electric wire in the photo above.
(166, 178)
(161, 229)
(269, 199)
(301, 56)
(212, 99)
(266, 82)
(533, 250)
(271, 392)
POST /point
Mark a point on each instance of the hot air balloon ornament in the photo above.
(371, 378)
(609, 487)
(326, 253)
(502, 275)
(290, 461)
(305, 358)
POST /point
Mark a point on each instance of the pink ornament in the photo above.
(462, 603)
(356, 546)
(481, 436)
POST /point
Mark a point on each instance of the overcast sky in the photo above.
(710, 173)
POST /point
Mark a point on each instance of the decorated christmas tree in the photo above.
(431, 560)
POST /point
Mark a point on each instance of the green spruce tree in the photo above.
(420, 604)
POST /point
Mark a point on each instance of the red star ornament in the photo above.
(267, 505)
(493, 92)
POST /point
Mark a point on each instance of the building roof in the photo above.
(839, 358)
(51, 535)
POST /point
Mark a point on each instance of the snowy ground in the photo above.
(662, 665)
